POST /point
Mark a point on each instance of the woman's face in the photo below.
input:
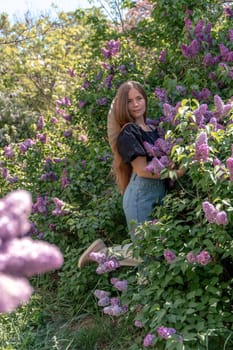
(136, 104)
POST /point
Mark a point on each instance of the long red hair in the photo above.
(118, 117)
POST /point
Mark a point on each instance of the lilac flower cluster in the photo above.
(111, 306)
(106, 263)
(160, 151)
(20, 256)
(229, 164)
(25, 145)
(40, 123)
(201, 148)
(111, 49)
(59, 210)
(8, 151)
(213, 215)
(164, 332)
(169, 256)
(118, 284)
(40, 206)
(203, 258)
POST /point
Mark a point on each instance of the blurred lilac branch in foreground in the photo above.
(20, 256)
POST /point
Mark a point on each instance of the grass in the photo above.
(47, 323)
(42, 324)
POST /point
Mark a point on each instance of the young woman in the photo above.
(141, 190)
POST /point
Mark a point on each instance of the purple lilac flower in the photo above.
(221, 218)
(230, 32)
(14, 210)
(191, 257)
(162, 56)
(165, 332)
(28, 257)
(99, 257)
(67, 133)
(15, 291)
(54, 120)
(229, 164)
(108, 81)
(228, 11)
(5, 173)
(12, 179)
(71, 72)
(100, 294)
(40, 123)
(59, 207)
(42, 137)
(115, 309)
(169, 256)
(104, 301)
(65, 101)
(102, 101)
(82, 104)
(49, 176)
(155, 166)
(120, 285)
(40, 206)
(8, 151)
(111, 49)
(123, 69)
(148, 340)
(188, 24)
(161, 94)
(210, 211)
(191, 50)
(201, 148)
(203, 258)
(111, 264)
(221, 108)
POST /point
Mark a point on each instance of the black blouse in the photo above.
(130, 142)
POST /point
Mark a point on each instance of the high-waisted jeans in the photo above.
(140, 198)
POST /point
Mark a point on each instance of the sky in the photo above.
(17, 8)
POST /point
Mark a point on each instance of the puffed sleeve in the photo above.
(130, 144)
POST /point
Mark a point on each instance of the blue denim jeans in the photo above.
(140, 197)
